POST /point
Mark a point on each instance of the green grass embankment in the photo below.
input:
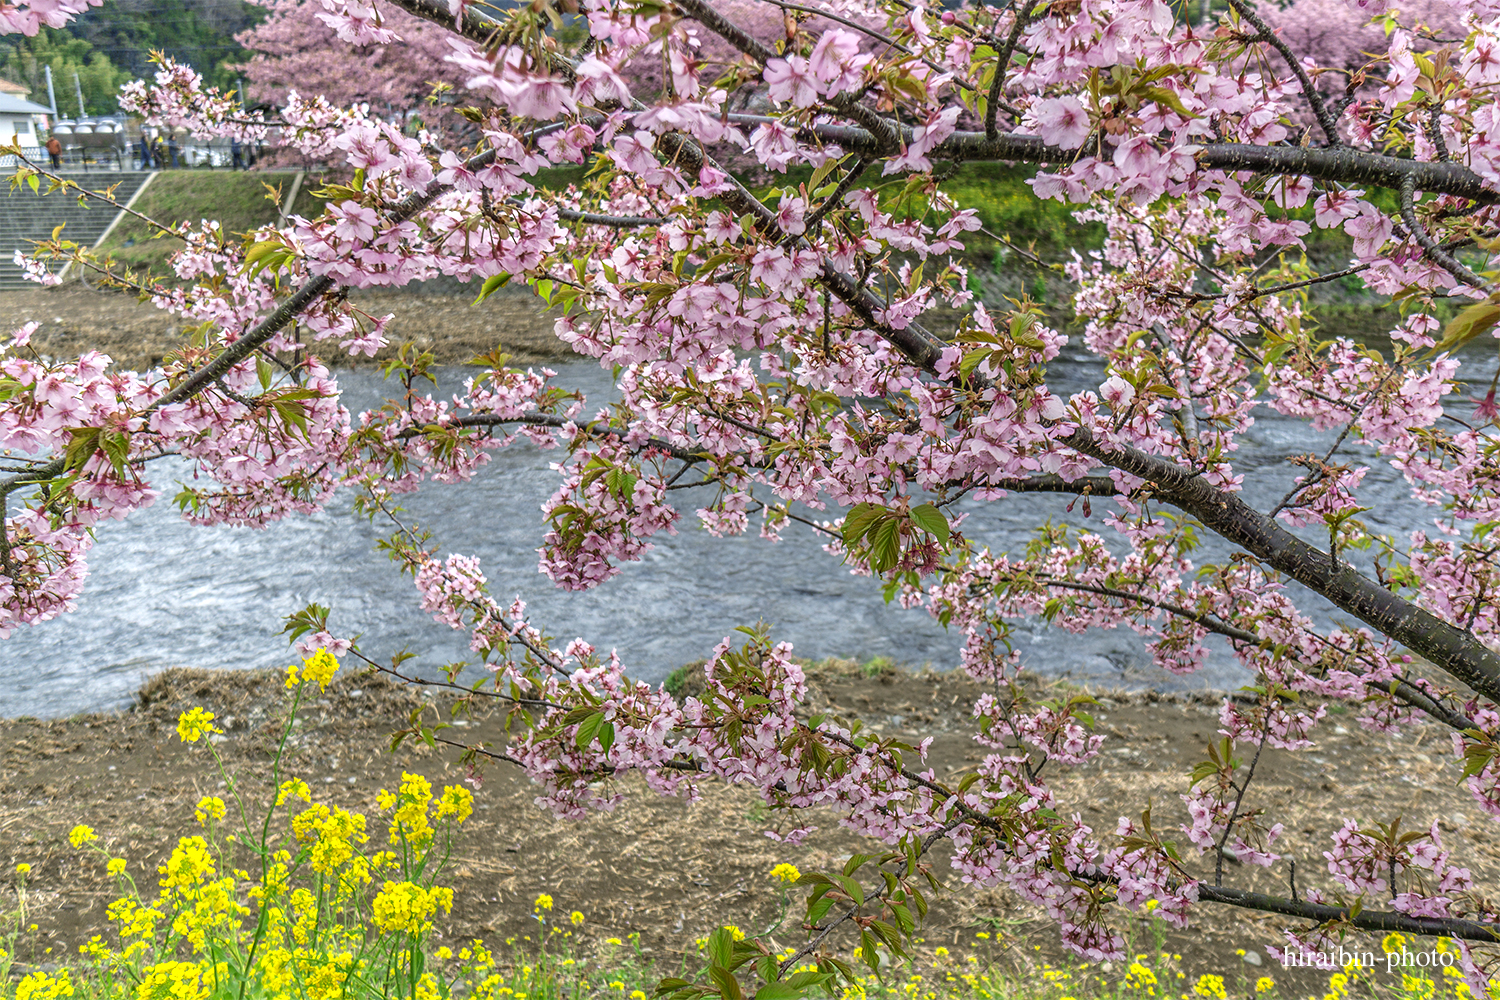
(1017, 226)
(239, 201)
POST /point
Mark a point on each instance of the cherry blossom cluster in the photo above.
(27, 18)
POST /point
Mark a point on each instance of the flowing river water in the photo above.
(163, 593)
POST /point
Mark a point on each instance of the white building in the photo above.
(18, 120)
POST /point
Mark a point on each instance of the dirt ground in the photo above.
(663, 868)
(137, 335)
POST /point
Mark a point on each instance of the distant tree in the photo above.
(25, 60)
(1344, 38)
(295, 50)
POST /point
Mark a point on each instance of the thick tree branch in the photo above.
(1365, 920)
(1343, 165)
(1447, 646)
(1094, 486)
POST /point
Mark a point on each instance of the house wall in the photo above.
(18, 127)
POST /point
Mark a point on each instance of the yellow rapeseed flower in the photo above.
(210, 807)
(41, 986)
(543, 902)
(194, 724)
(296, 788)
(173, 981)
(1393, 942)
(576, 918)
(1417, 989)
(786, 873)
(116, 866)
(81, 835)
(1140, 977)
(189, 865)
(333, 834)
(23, 869)
(410, 823)
(1211, 987)
(1265, 984)
(319, 668)
(406, 906)
(735, 932)
(457, 802)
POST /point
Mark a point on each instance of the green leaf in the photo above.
(588, 729)
(1477, 319)
(268, 253)
(777, 991)
(1161, 95)
(851, 887)
(721, 947)
(725, 981)
(82, 444)
(855, 862)
(885, 545)
(816, 911)
(858, 521)
(491, 285)
(932, 521)
(802, 980)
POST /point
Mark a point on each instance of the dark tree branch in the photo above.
(1002, 63)
(1094, 486)
(1327, 121)
(1366, 920)
(1435, 253)
(1343, 165)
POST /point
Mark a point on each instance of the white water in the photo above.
(163, 593)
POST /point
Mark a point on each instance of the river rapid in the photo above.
(162, 593)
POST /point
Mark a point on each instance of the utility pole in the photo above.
(51, 96)
(78, 89)
(242, 93)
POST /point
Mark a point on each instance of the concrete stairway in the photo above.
(25, 216)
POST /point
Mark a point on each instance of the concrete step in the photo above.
(26, 216)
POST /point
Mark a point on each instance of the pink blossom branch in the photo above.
(1239, 799)
(882, 130)
(1454, 650)
(1326, 120)
(1429, 246)
(1002, 63)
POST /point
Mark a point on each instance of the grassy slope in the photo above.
(237, 200)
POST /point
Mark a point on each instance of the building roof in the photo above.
(11, 87)
(10, 104)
